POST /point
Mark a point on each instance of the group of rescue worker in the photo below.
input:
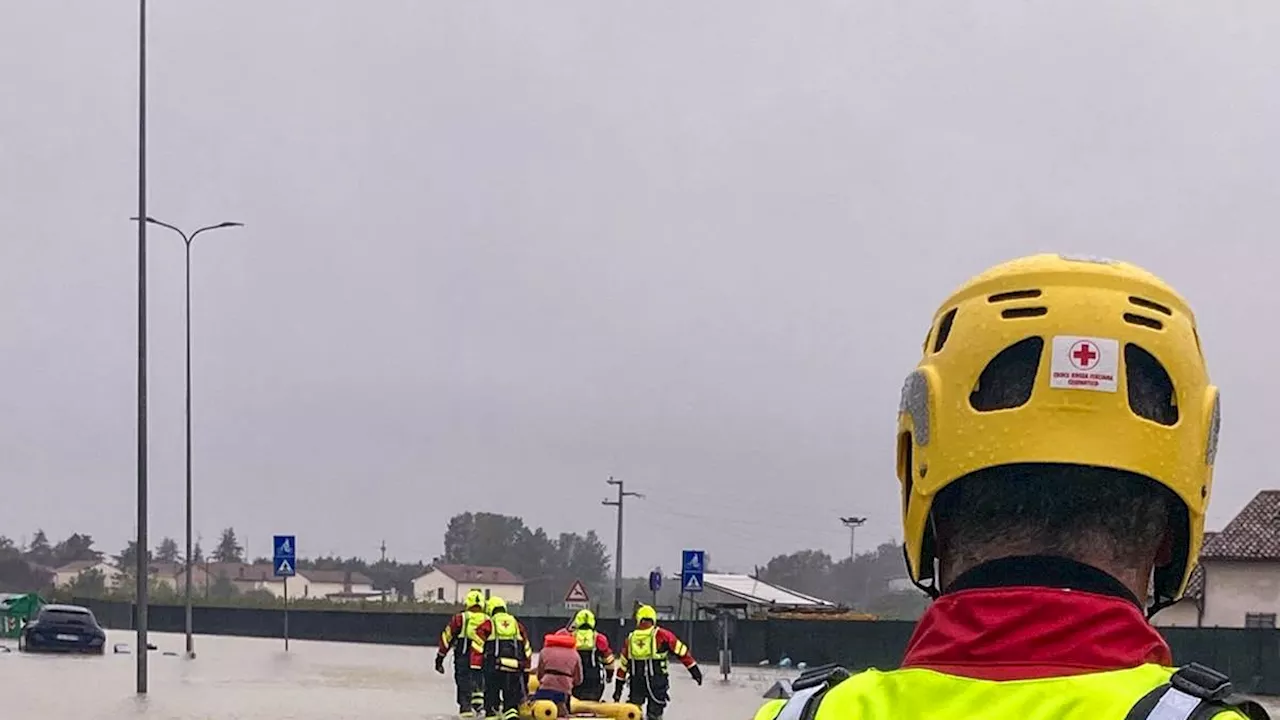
(492, 661)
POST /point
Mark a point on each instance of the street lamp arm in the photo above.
(154, 221)
(219, 226)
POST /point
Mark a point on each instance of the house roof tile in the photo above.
(1253, 534)
(480, 573)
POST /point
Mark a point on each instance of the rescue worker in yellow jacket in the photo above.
(502, 651)
(597, 657)
(644, 658)
(458, 636)
(1055, 450)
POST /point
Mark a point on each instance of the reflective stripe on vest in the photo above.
(921, 693)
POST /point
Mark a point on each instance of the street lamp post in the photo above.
(186, 241)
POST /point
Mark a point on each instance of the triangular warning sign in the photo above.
(693, 583)
(284, 568)
(577, 593)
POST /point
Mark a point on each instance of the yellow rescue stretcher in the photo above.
(546, 710)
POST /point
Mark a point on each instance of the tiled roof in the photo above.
(337, 577)
(1254, 534)
(480, 574)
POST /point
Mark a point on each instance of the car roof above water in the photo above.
(76, 609)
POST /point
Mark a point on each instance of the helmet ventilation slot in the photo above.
(1143, 320)
(1014, 295)
(1007, 381)
(944, 329)
(1148, 304)
(1151, 392)
(1023, 312)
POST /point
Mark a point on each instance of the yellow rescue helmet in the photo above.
(584, 619)
(645, 612)
(1078, 328)
(475, 598)
(495, 604)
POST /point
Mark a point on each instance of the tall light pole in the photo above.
(186, 241)
(142, 567)
(853, 523)
(617, 565)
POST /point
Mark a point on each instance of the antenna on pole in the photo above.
(623, 494)
(853, 523)
(384, 550)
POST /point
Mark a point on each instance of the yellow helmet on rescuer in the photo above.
(495, 604)
(475, 598)
(1081, 327)
(584, 619)
(646, 612)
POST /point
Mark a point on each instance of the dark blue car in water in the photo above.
(63, 628)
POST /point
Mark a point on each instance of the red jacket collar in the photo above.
(1025, 632)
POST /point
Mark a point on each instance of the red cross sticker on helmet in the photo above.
(1084, 363)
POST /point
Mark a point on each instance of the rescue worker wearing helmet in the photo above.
(502, 651)
(1055, 450)
(644, 658)
(597, 656)
(458, 636)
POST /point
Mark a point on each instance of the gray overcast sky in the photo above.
(497, 252)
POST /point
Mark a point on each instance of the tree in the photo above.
(548, 566)
(8, 549)
(229, 549)
(222, 588)
(89, 584)
(167, 551)
(39, 551)
(22, 576)
(76, 548)
(806, 571)
(127, 560)
(197, 553)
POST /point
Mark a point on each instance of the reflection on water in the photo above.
(254, 679)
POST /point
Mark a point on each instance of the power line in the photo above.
(617, 570)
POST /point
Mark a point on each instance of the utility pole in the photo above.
(384, 550)
(617, 563)
(853, 523)
(141, 599)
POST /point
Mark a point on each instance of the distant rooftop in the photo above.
(759, 592)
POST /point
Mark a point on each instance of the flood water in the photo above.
(255, 679)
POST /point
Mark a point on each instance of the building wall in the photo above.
(320, 590)
(1184, 613)
(435, 586)
(111, 575)
(1234, 589)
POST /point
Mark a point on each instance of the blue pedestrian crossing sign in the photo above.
(285, 555)
(693, 563)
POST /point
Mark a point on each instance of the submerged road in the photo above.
(254, 679)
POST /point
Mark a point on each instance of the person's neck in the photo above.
(1047, 570)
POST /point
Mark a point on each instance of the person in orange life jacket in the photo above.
(502, 651)
(597, 656)
(644, 657)
(458, 636)
(1055, 451)
(559, 670)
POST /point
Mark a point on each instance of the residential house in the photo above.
(1238, 581)
(248, 578)
(67, 574)
(450, 584)
(340, 585)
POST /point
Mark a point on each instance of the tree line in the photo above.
(549, 564)
(869, 581)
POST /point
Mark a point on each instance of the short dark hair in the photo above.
(1072, 511)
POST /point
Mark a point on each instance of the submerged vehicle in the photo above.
(63, 628)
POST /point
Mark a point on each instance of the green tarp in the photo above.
(16, 611)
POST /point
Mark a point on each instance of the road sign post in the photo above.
(285, 563)
(577, 598)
